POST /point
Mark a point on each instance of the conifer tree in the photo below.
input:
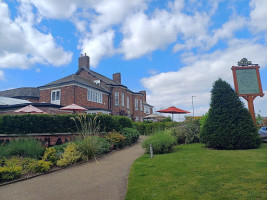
(229, 125)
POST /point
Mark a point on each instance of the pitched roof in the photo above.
(73, 78)
(21, 92)
(99, 76)
(12, 101)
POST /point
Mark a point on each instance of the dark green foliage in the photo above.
(229, 124)
(123, 122)
(161, 142)
(44, 123)
(131, 135)
(145, 128)
(22, 147)
(186, 132)
(167, 119)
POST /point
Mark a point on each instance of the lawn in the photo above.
(195, 172)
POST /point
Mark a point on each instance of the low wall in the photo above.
(47, 139)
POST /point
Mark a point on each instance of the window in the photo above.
(122, 99)
(141, 105)
(94, 96)
(137, 119)
(55, 96)
(128, 102)
(136, 104)
(117, 102)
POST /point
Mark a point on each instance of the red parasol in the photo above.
(73, 107)
(29, 109)
(173, 110)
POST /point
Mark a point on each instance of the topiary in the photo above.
(229, 124)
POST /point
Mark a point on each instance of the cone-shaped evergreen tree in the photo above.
(229, 125)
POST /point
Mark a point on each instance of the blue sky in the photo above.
(172, 49)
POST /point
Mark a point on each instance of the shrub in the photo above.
(116, 139)
(123, 122)
(50, 154)
(104, 146)
(71, 155)
(22, 147)
(87, 125)
(161, 142)
(131, 135)
(42, 166)
(179, 132)
(89, 147)
(229, 124)
(148, 128)
(10, 172)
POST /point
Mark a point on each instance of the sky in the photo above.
(173, 49)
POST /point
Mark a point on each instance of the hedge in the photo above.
(148, 128)
(45, 123)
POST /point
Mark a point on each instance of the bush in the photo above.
(131, 135)
(71, 155)
(42, 166)
(10, 172)
(123, 122)
(104, 146)
(229, 124)
(116, 139)
(22, 147)
(89, 147)
(50, 154)
(148, 128)
(161, 142)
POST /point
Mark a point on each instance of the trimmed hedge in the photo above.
(148, 128)
(44, 123)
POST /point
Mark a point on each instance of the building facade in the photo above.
(96, 92)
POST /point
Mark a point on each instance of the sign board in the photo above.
(247, 81)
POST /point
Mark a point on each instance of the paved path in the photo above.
(92, 181)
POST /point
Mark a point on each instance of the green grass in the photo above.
(195, 172)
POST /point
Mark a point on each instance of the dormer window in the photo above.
(97, 82)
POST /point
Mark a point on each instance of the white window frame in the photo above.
(136, 104)
(128, 102)
(141, 104)
(94, 96)
(117, 98)
(136, 118)
(56, 100)
(122, 99)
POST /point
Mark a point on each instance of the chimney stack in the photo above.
(144, 92)
(117, 77)
(84, 61)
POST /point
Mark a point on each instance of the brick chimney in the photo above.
(84, 61)
(143, 92)
(117, 77)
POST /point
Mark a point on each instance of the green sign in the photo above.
(247, 81)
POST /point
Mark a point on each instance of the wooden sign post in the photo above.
(247, 83)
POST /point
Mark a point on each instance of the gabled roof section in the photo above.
(100, 77)
(21, 92)
(73, 78)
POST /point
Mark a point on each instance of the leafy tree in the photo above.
(228, 124)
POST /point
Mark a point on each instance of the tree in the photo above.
(229, 124)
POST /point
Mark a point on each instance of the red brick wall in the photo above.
(73, 94)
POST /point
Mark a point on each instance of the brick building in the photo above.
(96, 92)
(91, 90)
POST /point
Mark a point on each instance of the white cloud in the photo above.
(258, 15)
(197, 76)
(22, 45)
(144, 34)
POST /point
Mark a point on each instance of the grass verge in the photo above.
(195, 172)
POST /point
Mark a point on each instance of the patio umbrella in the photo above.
(173, 110)
(73, 107)
(29, 109)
